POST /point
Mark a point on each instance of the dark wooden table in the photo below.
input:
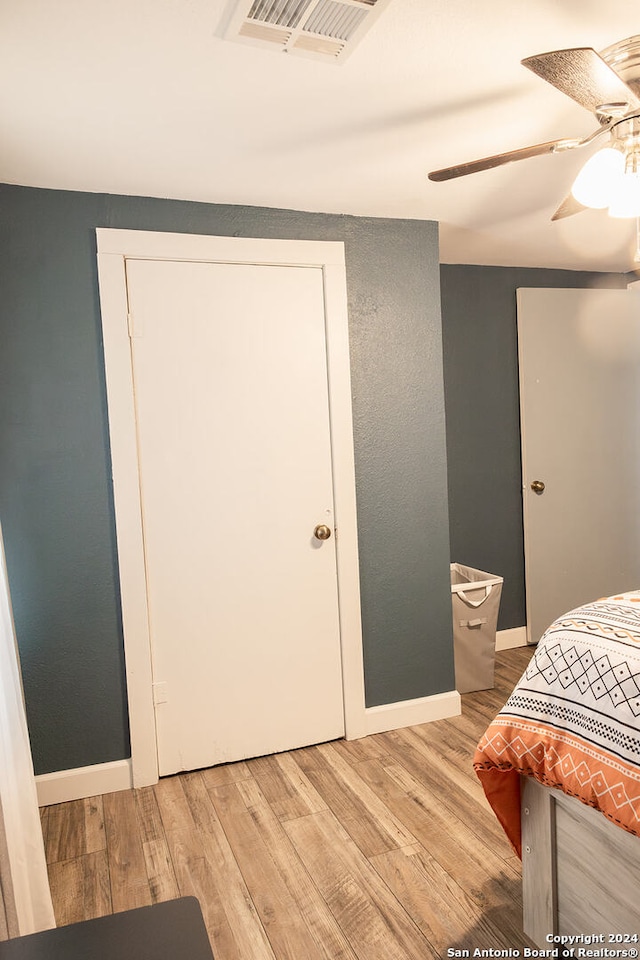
(173, 930)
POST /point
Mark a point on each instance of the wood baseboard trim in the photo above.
(508, 639)
(407, 713)
(83, 782)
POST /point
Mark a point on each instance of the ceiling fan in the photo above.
(608, 85)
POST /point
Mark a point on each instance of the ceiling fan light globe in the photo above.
(596, 183)
(625, 200)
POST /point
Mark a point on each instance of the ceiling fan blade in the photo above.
(568, 208)
(584, 76)
(486, 163)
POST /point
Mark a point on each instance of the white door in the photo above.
(579, 356)
(234, 450)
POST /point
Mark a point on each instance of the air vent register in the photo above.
(323, 29)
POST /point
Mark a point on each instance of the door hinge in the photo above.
(134, 326)
(160, 693)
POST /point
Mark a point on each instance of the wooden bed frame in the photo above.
(580, 872)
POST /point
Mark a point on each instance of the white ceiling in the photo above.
(143, 97)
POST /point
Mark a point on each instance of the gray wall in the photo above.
(55, 494)
(483, 416)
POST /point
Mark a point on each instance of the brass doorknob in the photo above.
(537, 486)
(322, 532)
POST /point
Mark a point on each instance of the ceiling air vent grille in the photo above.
(256, 31)
(323, 29)
(286, 13)
(328, 48)
(335, 20)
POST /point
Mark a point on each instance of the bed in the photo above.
(560, 766)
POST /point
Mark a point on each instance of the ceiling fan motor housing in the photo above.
(624, 58)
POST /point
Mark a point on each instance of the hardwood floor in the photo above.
(378, 849)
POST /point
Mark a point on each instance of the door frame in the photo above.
(114, 247)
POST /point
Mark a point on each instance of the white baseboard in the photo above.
(407, 713)
(109, 777)
(508, 639)
(83, 782)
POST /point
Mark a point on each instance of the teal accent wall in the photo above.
(483, 416)
(55, 491)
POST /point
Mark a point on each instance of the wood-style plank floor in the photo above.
(377, 849)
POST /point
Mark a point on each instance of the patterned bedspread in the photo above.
(573, 720)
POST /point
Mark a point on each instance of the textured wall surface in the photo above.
(55, 494)
(483, 416)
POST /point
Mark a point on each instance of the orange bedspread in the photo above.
(573, 720)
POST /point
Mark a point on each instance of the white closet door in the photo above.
(230, 380)
(579, 354)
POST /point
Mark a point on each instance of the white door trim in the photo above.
(113, 247)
